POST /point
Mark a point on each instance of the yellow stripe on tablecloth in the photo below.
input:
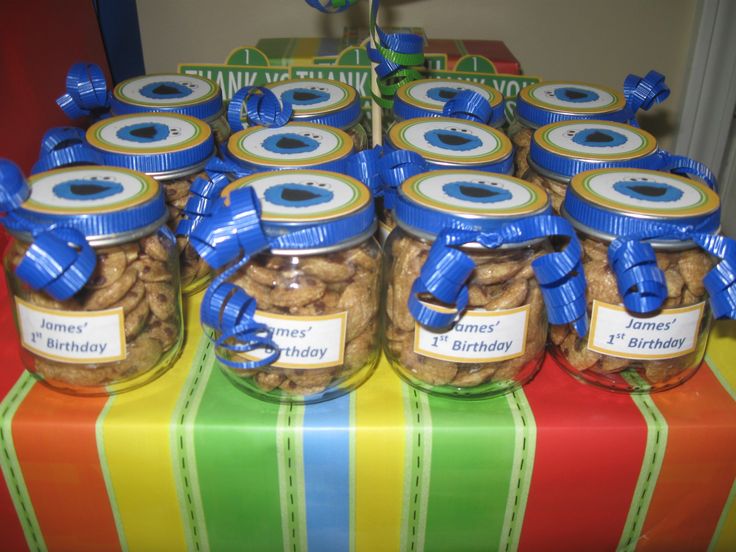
(138, 451)
(380, 442)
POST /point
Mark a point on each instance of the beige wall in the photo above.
(597, 41)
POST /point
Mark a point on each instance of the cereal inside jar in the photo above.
(650, 242)
(296, 321)
(465, 315)
(561, 150)
(94, 279)
(171, 148)
(550, 102)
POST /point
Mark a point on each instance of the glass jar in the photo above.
(172, 93)
(498, 343)
(427, 98)
(315, 287)
(445, 143)
(171, 148)
(120, 326)
(326, 102)
(558, 151)
(652, 335)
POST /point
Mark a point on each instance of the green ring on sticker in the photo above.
(349, 96)
(617, 102)
(648, 142)
(406, 92)
(119, 91)
(706, 203)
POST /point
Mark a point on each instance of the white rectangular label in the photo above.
(478, 336)
(305, 341)
(69, 336)
(672, 333)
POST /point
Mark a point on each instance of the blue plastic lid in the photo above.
(466, 199)
(566, 148)
(611, 203)
(103, 203)
(152, 143)
(445, 143)
(427, 98)
(185, 94)
(322, 101)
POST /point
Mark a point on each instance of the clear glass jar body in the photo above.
(309, 290)
(521, 137)
(555, 187)
(653, 371)
(502, 281)
(137, 282)
(359, 135)
(220, 128)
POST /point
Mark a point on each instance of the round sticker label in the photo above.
(89, 190)
(645, 192)
(166, 90)
(572, 97)
(476, 193)
(595, 140)
(448, 140)
(314, 96)
(305, 196)
(148, 133)
(292, 145)
(434, 93)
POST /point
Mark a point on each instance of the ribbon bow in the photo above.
(471, 106)
(86, 92)
(643, 93)
(394, 168)
(64, 146)
(262, 107)
(445, 272)
(689, 168)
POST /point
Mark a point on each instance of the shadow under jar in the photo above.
(498, 342)
(122, 327)
(646, 299)
(317, 293)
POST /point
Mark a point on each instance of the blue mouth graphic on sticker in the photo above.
(83, 189)
(443, 93)
(290, 143)
(305, 96)
(144, 132)
(648, 190)
(298, 195)
(476, 192)
(597, 138)
(452, 139)
(165, 90)
(575, 95)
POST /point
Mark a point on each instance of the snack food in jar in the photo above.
(296, 318)
(93, 276)
(651, 242)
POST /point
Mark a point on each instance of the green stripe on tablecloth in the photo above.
(10, 467)
(521, 475)
(473, 456)
(105, 468)
(182, 445)
(235, 446)
(291, 477)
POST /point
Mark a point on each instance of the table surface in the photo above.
(190, 462)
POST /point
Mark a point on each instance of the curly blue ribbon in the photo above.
(86, 92)
(262, 107)
(331, 6)
(471, 106)
(560, 275)
(394, 168)
(61, 137)
(684, 166)
(643, 93)
(64, 146)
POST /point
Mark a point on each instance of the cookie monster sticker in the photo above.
(305, 196)
(312, 97)
(148, 133)
(475, 193)
(645, 192)
(596, 140)
(165, 90)
(434, 93)
(573, 97)
(80, 191)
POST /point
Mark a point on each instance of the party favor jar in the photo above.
(171, 148)
(559, 151)
(549, 102)
(430, 97)
(94, 278)
(650, 242)
(465, 314)
(296, 317)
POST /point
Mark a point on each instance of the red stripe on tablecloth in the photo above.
(590, 447)
(698, 468)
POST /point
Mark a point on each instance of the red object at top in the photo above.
(494, 50)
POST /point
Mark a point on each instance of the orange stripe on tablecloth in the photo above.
(61, 468)
(698, 468)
